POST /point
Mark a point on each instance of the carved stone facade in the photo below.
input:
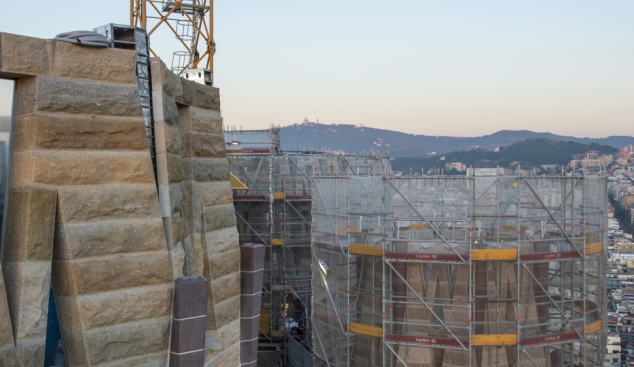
(84, 209)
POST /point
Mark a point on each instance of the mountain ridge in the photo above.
(353, 139)
(527, 154)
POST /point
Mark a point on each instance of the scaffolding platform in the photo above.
(459, 271)
(275, 210)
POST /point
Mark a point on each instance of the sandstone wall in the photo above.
(83, 195)
(197, 205)
(85, 213)
(8, 357)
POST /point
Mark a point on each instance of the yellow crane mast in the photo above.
(194, 28)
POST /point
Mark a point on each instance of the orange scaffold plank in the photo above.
(366, 330)
(494, 254)
(594, 248)
(494, 339)
(359, 249)
(344, 230)
(595, 326)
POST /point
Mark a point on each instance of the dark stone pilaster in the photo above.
(188, 322)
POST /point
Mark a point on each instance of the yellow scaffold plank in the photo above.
(359, 249)
(277, 242)
(594, 248)
(236, 184)
(595, 326)
(494, 339)
(494, 254)
(512, 227)
(418, 226)
(278, 195)
(366, 330)
(344, 230)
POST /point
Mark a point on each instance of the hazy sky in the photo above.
(430, 67)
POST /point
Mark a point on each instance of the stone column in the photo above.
(189, 318)
(251, 274)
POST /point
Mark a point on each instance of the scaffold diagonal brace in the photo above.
(426, 305)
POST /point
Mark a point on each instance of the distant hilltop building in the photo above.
(308, 123)
(455, 165)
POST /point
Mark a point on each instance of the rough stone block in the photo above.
(150, 360)
(127, 305)
(175, 169)
(54, 131)
(173, 142)
(128, 340)
(199, 120)
(215, 193)
(187, 98)
(27, 286)
(170, 111)
(180, 228)
(188, 335)
(194, 207)
(83, 240)
(109, 273)
(250, 304)
(225, 287)
(221, 240)
(189, 265)
(8, 356)
(178, 260)
(206, 96)
(80, 97)
(82, 168)
(195, 359)
(203, 145)
(6, 329)
(92, 204)
(164, 79)
(31, 353)
(31, 225)
(190, 297)
(21, 55)
(206, 169)
(229, 358)
(222, 313)
(111, 65)
(199, 256)
(223, 263)
(176, 198)
(219, 216)
(230, 333)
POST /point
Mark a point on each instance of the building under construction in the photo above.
(459, 271)
(273, 208)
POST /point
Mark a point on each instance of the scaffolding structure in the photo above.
(459, 271)
(275, 210)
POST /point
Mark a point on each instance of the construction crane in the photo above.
(191, 21)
